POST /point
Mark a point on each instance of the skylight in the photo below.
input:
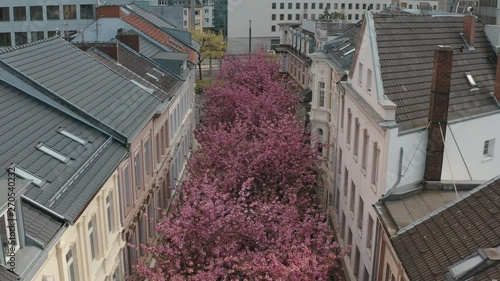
(71, 136)
(472, 83)
(349, 52)
(149, 90)
(345, 47)
(152, 76)
(157, 71)
(25, 175)
(53, 153)
(465, 266)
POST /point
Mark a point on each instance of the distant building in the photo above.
(488, 11)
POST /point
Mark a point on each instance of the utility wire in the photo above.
(449, 163)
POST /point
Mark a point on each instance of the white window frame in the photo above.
(364, 158)
(360, 73)
(489, 149)
(92, 234)
(321, 96)
(376, 163)
(71, 264)
(369, 80)
(357, 128)
(110, 212)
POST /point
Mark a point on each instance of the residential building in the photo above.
(433, 235)
(199, 16)
(389, 140)
(28, 21)
(67, 209)
(266, 16)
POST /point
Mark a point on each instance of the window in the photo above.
(137, 170)
(410, 6)
(186, 12)
(364, 158)
(335, 6)
(313, 6)
(282, 6)
(346, 182)
(349, 240)
(147, 157)
(86, 12)
(349, 6)
(349, 16)
(282, 16)
(290, 6)
(313, 16)
(127, 186)
(53, 12)
(369, 235)
(349, 121)
(273, 17)
(357, 6)
(320, 140)
(109, 211)
(356, 137)
(388, 274)
(297, 16)
(361, 211)
(69, 12)
(19, 13)
(342, 6)
(340, 161)
(51, 33)
(370, 6)
(196, 13)
(92, 237)
(376, 156)
(151, 218)
(342, 230)
(321, 86)
(274, 5)
(328, 6)
(369, 80)
(342, 111)
(36, 13)
(305, 6)
(364, 6)
(70, 264)
(304, 17)
(297, 5)
(353, 197)
(378, 6)
(4, 14)
(70, 135)
(357, 262)
(207, 19)
(185, 23)
(37, 35)
(206, 11)
(142, 232)
(360, 73)
(320, 5)
(356, 16)
(289, 16)
(51, 152)
(5, 40)
(488, 148)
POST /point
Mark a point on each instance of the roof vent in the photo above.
(472, 83)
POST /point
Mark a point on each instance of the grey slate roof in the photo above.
(40, 225)
(24, 122)
(6, 275)
(148, 48)
(451, 234)
(134, 66)
(84, 82)
(160, 22)
(340, 49)
(406, 46)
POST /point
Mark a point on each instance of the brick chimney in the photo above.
(109, 48)
(108, 12)
(469, 28)
(131, 40)
(438, 112)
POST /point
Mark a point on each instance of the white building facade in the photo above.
(28, 21)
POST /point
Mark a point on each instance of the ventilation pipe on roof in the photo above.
(438, 112)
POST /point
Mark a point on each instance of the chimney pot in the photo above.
(469, 28)
(438, 112)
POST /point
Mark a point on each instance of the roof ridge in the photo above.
(446, 206)
(33, 43)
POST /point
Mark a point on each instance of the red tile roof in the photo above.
(160, 36)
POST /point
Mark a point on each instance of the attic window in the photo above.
(149, 90)
(472, 83)
(152, 76)
(53, 153)
(25, 175)
(71, 136)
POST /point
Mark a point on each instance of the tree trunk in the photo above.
(199, 67)
(210, 67)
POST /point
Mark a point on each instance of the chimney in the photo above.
(108, 12)
(131, 40)
(438, 112)
(469, 28)
(109, 48)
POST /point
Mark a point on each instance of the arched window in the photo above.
(319, 135)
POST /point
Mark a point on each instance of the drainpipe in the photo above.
(399, 176)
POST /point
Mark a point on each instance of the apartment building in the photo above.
(266, 16)
(390, 142)
(23, 22)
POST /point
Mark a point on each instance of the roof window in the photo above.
(152, 76)
(349, 52)
(71, 136)
(52, 152)
(157, 71)
(473, 264)
(149, 90)
(25, 175)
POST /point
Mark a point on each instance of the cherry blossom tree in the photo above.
(247, 210)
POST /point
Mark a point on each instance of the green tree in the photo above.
(213, 45)
(332, 16)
